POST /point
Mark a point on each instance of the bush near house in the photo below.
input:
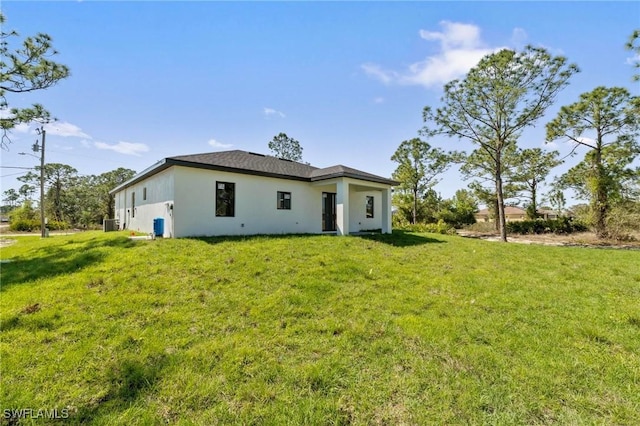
(561, 225)
(28, 225)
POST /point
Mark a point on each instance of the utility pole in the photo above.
(43, 225)
(36, 148)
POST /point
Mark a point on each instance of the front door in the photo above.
(328, 211)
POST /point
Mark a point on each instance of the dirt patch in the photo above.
(582, 239)
(5, 242)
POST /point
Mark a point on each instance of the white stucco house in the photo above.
(243, 193)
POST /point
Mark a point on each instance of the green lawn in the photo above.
(402, 329)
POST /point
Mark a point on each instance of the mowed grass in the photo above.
(401, 329)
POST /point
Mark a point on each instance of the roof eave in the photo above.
(355, 176)
(156, 168)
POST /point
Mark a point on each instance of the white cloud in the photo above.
(455, 35)
(64, 147)
(214, 143)
(377, 72)
(378, 100)
(127, 148)
(21, 128)
(18, 128)
(62, 128)
(271, 112)
(461, 48)
(633, 60)
(519, 38)
(585, 140)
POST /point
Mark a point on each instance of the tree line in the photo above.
(70, 199)
(505, 93)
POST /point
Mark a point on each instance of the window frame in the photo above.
(229, 187)
(369, 207)
(133, 204)
(144, 194)
(282, 202)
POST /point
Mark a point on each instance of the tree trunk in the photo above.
(502, 223)
(601, 205)
(415, 206)
(534, 208)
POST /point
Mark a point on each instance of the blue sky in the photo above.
(347, 79)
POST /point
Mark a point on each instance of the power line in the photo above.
(13, 174)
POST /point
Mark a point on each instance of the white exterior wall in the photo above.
(356, 203)
(358, 220)
(160, 191)
(255, 205)
(185, 198)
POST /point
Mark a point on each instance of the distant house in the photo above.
(243, 193)
(511, 214)
(547, 214)
(514, 214)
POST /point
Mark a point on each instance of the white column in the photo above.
(386, 211)
(342, 207)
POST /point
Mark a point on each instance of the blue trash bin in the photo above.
(158, 226)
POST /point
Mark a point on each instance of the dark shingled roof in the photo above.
(256, 164)
(344, 171)
(243, 162)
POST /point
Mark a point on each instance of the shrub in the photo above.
(24, 212)
(623, 221)
(435, 228)
(34, 225)
(24, 225)
(561, 225)
(486, 227)
(57, 225)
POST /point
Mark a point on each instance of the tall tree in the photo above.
(607, 122)
(556, 199)
(59, 178)
(26, 68)
(479, 166)
(532, 168)
(418, 166)
(505, 93)
(26, 192)
(11, 197)
(105, 183)
(282, 146)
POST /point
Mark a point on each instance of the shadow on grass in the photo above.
(129, 381)
(51, 261)
(400, 238)
(397, 239)
(237, 238)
